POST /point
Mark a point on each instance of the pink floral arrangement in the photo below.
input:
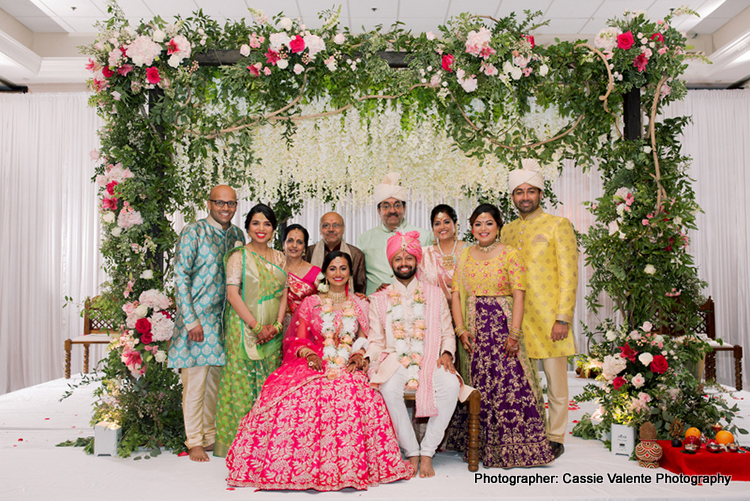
(147, 327)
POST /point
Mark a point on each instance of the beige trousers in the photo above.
(200, 389)
(556, 371)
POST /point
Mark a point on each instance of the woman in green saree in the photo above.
(252, 323)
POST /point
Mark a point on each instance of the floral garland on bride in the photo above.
(336, 354)
(409, 347)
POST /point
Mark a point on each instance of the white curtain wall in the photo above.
(50, 235)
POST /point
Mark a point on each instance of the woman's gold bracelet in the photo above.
(278, 326)
(460, 330)
(256, 330)
(515, 334)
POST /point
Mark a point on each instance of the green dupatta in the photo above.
(262, 286)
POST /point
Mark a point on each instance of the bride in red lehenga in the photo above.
(317, 423)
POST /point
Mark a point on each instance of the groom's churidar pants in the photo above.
(556, 371)
(200, 389)
(445, 386)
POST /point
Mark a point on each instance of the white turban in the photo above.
(529, 173)
(389, 188)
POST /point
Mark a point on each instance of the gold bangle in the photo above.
(256, 330)
(278, 326)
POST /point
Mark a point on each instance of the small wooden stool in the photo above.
(475, 404)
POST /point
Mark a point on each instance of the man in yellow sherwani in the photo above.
(550, 252)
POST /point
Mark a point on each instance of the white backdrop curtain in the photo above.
(50, 233)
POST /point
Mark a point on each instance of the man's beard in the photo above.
(407, 275)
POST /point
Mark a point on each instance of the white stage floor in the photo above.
(32, 422)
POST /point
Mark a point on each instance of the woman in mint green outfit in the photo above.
(252, 323)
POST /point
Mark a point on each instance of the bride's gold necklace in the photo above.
(489, 248)
(337, 297)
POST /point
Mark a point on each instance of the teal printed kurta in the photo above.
(201, 292)
(373, 244)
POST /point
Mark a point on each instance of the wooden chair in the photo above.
(475, 404)
(707, 313)
(95, 331)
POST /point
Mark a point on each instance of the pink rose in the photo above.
(108, 73)
(339, 361)
(347, 339)
(297, 44)
(530, 39)
(152, 75)
(147, 337)
(413, 384)
(447, 62)
(405, 361)
(328, 342)
(111, 187)
(419, 324)
(658, 37)
(349, 312)
(129, 308)
(326, 308)
(640, 62)
(416, 358)
(625, 40)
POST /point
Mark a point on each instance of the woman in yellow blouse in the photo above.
(487, 303)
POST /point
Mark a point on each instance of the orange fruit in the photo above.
(724, 437)
(693, 432)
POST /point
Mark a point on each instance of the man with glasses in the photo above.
(391, 202)
(196, 347)
(332, 231)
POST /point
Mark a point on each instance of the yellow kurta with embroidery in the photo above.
(549, 250)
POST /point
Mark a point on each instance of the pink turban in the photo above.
(408, 242)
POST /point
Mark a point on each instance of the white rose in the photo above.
(285, 23)
(141, 311)
(516, 73)
(543, 70)
(647, 149)
(116, 231)
(339, 38)
(282, 63)
(147, 274)
(647, 326)
(159, 36)
(160, 356)
(630, 165)
(611, 335)
(635, 335)
(645, 358)
(298, 68)
(245, 50)
(649, 269)
(108, 217)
